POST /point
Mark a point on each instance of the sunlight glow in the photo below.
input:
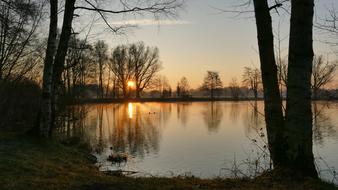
(130, 110)
(131, 84)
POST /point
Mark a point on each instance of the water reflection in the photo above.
(253, 118)
(154, 135)
(183, 112)
(130, 110)
(128, 128)
(212, 115)
(323, 127)
(234, 111)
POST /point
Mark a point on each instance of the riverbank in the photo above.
(168, 100)
(29, 163)
(164, 100)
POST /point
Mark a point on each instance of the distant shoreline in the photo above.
(168, 100)
(164, 100)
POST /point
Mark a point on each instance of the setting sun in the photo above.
(131, 83)
(218, 94)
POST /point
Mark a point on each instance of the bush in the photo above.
(19, 104)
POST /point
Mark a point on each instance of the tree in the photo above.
(235, 90)
(252, 79)
(272, 102)
(184, 87)
(80, 66)
(212, 81)
(145, 62)
(46, 114)
(101, 58)
(298, 118)
(161, 84)
(322, 74)
(282, 67)
(121, 67)
(18, 44)
(289, 138)
(56, 53)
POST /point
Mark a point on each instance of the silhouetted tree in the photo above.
(212, 82)
(290, 139)
(178, 90)
(235, 90)
(55, 56)
(80, 67)
(322, 74)
(121, 67)
(145, 64)
(184, 87)
(19, 47)
(161, 84)
(252, 79)
(101, 57)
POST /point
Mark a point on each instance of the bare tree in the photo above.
(80, 66)
(161, 84)
(323, 72)
(121, 67)
(252, 79)
(18, 44)
(101, 58)
(145, 62)
(235, 90)
(184, 87)
(212, 82)
(55, 56)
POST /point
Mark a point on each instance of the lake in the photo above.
(203, 139)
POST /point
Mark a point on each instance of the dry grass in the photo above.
(28, 163)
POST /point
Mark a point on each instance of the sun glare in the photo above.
(130, 110)
(131, 83)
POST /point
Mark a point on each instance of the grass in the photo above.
(28, 163)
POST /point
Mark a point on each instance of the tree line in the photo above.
(67, 64)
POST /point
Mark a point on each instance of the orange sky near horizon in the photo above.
(201, 39)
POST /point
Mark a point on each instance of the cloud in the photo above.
(150, 22)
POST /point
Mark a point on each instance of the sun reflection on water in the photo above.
(130, 110)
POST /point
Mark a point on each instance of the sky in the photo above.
(203, 38)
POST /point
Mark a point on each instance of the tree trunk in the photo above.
(46, 102)
(256, 94)
(61, 53)
(212, 93)
(101, 78)
(272, 102)
(315, 93)
(298, 122)
(138, 95)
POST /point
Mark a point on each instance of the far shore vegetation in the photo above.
(50, 60)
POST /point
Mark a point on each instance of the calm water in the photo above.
(201, 139)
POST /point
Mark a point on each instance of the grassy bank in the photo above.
(29, 163)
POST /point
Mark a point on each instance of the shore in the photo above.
(164, 100)
(28, 163)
